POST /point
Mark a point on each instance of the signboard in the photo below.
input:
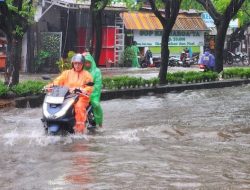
(210, 22)
(177, 38)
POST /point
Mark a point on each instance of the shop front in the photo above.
(188, 32)
(178, 41)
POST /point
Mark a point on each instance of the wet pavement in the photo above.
(191, 140)
(114, 71)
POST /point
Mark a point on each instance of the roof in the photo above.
(78, 4)
(148, 21)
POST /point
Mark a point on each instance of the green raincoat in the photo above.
(96, 94)
(136, 51)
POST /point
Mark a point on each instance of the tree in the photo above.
(96, 8)
(225, 11)
(238, 35)
(15, 17)
(167, 20)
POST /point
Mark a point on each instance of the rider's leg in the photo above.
(80, 115)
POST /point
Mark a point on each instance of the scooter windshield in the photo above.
(57, 95)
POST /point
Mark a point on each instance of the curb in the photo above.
(6, 103)
(36, 101)
(125, 93)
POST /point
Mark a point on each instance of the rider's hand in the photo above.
(76, 90)
(47, 88)
(84, 91)
(72, 90)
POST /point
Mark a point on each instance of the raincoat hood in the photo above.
(89, 58)
(207, 53)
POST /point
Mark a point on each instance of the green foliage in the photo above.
(130, 4)
(27, 13)
(244, 13)
(19, 31)
(221, 5)
(3, 89)
(123, 82)
(127, 56)
(107, 83)
(191, 77)
(29, 87)
(70, 55)
(235, 72)
(191, 4)
(171, 78)
(65, 64)
(41, 58)
(51, 42)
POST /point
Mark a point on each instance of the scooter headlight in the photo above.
(53, 128)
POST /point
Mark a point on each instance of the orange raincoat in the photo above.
(73, 79)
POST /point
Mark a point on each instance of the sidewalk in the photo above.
(112, 71)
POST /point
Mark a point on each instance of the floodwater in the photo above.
(190, 140)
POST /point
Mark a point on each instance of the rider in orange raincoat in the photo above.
(77, 78)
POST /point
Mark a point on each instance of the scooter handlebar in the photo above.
(79, 91)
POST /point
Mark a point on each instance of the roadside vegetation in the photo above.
(27, 88)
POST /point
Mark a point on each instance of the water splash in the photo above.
(28, 104)
(10, 137)
(38, 138)
(130, 135)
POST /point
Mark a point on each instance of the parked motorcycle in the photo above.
(147, 60)
(194, 60)
(204, 68)
(143, 62)
(58, 111)
(245, 59)
(237, 58)
(174, 61)
(185, 60)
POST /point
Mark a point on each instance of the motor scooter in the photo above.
(184, 60)
(204, 68)
(174, 61)
(58, 111)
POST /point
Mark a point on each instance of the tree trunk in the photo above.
(9, 61)
(17, 61)
(13, 62)
(98, 34)
(164, 57)
(219, 45)
(30, 49)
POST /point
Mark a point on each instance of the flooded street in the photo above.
(191, 140)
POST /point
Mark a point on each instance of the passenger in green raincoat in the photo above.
(90, 66)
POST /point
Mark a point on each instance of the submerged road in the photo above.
(191, 140)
